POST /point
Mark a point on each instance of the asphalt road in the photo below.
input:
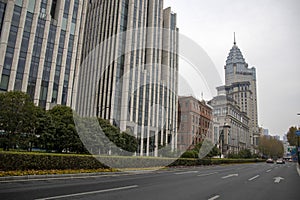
(242, 181)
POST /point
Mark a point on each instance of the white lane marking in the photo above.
(230, 175)
(207, 174)
(88, 193)
(268, 170)
(278, 179)
(215, 197)
(254, 177)
(188, 172)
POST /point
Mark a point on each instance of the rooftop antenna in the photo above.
(234, 38)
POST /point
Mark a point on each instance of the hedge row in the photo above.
(212, 161)
(32, 161)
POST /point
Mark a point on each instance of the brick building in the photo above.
(195, 122)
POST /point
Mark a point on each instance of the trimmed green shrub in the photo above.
(31, 161)
(10, 161)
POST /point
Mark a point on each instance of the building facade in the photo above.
(129, 70)
(240, 82)
(195, 122)
(40, 48)
(266, 132)
(233, 123)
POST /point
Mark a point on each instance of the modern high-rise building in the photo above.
(129, 70)
(240, 85)
(40, 48)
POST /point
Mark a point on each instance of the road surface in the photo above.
(241, 181)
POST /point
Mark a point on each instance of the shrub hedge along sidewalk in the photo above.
(24, 161)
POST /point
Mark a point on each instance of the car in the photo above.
(280, 161)
(270, 160)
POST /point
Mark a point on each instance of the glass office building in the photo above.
(40, 48)
(129, 70)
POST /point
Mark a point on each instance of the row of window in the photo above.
(37, 47)
(10, 48)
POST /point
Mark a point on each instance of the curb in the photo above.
(298, 168)
(57, 176)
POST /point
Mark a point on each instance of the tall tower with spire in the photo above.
(240, 84)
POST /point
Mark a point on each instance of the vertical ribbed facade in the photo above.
(40, 46)
(129, 70)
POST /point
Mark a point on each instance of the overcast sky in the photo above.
(267, 33)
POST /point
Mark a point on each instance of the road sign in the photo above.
(298, 132)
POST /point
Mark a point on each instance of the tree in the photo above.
(214, 152)
(65, 135)
(292, 137)
(130, 142)
(124, 140)
(45, 130)
(270, 147)
(194, 153)
(17, 117)
(245, 153)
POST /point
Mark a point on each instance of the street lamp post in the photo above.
(221, 137)
(298, 146)
(232, 146)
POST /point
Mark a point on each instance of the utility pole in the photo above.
(298, 145)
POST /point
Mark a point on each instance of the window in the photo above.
(43, 13)
(4, 82)
(8, 60)
(2, 12)
(73, 28)
(31, 5)
(53, 8)
(64, 24)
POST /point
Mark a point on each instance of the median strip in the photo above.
(88, 193)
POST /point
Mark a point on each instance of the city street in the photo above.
(240, 181)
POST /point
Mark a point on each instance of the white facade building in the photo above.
(40, 48)
(129, 70)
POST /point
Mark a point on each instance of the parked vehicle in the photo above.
(270, 160)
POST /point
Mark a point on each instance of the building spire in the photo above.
(234, 42)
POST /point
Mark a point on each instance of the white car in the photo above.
(280, 161)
